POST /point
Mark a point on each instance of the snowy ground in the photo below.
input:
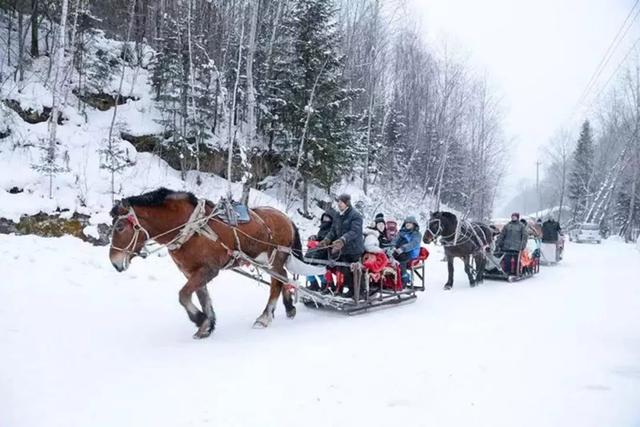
(84, 346)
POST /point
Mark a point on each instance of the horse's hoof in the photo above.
(291, 313)
(472, 284)
(204, 331)
(447, 287)
(200, 335)
(261, 323)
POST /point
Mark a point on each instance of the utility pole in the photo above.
(538, 189)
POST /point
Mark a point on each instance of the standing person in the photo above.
(550, 231)
(512, 239)
(551, 235)
(314, 252)
(407, 246)
(346, 239)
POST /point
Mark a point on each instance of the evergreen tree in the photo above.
(184, 86)
(580, 182)
(308, 68)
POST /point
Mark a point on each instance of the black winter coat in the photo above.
(550, 231)
(348, 227)
(325, 228)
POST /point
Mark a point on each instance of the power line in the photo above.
(608, 55)
(629, 52)
(609, 52)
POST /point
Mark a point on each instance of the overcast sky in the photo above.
(539, 54)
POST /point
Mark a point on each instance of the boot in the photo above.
(349, 293)
(328, 289)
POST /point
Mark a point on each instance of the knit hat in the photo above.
(411, 220)
(516, 214)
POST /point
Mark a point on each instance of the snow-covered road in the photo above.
(81, 345)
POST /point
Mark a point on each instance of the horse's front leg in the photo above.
(469, 270)
(209, 323)
(197, 281)
(481, 264)
(265, 319)
(449, 283)
(287, 297)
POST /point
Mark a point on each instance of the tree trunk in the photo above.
(9, 31)
(194, 111)
(367, 157)
(251, 92)
(110, 145)
(564, 185)
(35, 51)
(56, 89)
(251, 99)
(20, 46)
(632, 201)
(232, 110)
(305, 195)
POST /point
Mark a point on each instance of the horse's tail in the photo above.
(296, 247)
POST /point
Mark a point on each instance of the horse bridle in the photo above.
(138, 229)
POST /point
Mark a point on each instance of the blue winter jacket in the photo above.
(409, 242)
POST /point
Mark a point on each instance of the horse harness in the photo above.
(198, 223)
(445, 240)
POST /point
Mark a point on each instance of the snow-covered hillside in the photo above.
(84, 186)
(83, 345)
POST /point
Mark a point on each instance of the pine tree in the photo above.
(308, 98)
(183, 79)
(580, 178)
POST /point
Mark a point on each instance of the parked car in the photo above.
(585, 233)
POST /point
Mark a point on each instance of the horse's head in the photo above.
(439, 224)
(433, 229)
(127, 236)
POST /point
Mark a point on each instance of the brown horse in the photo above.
(201, 245)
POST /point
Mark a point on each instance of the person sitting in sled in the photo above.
(381, 227)
(346, 240)
(407, 246)
(512, 239)
(314, 252)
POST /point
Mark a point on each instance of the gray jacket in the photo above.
(513, 237)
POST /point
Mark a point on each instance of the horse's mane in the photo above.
(158, 197)
(445, 215)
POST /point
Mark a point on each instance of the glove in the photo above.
(337, 246)
(324, 243)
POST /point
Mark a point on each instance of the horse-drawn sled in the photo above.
(376, 285)
(262, 243)
(514, 266)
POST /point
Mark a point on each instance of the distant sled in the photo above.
(512, 267)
